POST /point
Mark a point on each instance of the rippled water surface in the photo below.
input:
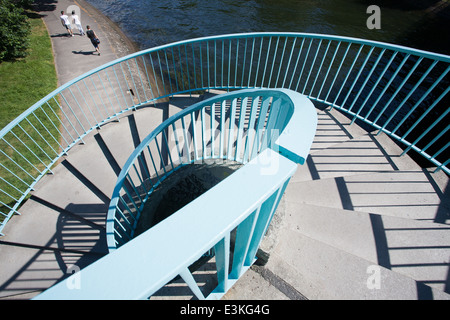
(154, 22)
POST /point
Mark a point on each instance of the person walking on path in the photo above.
(77, 22)
(94, 39)
(66, 23)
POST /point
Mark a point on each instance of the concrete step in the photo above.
(46, 244)
(405, 194)
(332, 128)
(68, 190)
(64, 230)
(322, 272)
(362, 155)
(414, 248)
(27, 271)
(94, 162)
(120, 138)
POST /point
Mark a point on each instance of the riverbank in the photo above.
(120, 43)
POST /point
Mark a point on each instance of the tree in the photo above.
(14, 29)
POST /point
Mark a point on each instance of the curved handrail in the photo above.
(244, 201)
(234, 126)
(144, 265)
(400, 91)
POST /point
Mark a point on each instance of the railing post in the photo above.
(242, 243)
(222, 251)
(190, 281)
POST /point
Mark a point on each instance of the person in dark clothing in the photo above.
(94, 39)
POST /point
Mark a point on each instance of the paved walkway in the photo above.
(76, 55)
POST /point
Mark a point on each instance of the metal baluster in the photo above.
(338, 71)
(194, 136)
(289, 61)
(257, 65)
(213, 131)
(363, 86)
(187, 137)
(109, 99)
(273, 62)
(203, 130)
(242, 243)
(242, 114)
(53, 137)
(251, 128)
(265, 65)
(281, 62)
(154, 73)
(142, 83)
(420, 101)
(190, 281)
(373, 89)
(231, 128)
(260, 126)
(16, 164)
(398, 88)
(134, 85)
(243, 63)
(148, 79)
(429, 127)
(168, 72)
(161, 71)
(251, 63)
(304, 63)
(153, 162)
(348, 74)
(296, 63)
(222, 129)
(236, 62)
(312, 67)
(222, 252)
(267, 210)
(357, 77)
(320, 68)
(120, 88)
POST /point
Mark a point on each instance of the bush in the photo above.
(14, 29)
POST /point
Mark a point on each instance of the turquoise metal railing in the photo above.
(400, 91)
(271, 131)
(236, 126)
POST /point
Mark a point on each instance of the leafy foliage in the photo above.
(14, 29)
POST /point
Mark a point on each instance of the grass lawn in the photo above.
(23, 150)
(26, 81)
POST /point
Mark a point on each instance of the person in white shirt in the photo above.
(77, 22)
(66, 23)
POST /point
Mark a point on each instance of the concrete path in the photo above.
(76, 55)
(356, 222)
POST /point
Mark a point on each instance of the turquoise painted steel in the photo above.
(181, 239)
(175, 243)
(276, 120)
(400, 91)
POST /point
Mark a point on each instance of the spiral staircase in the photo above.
(358, 220)
(353, 212)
